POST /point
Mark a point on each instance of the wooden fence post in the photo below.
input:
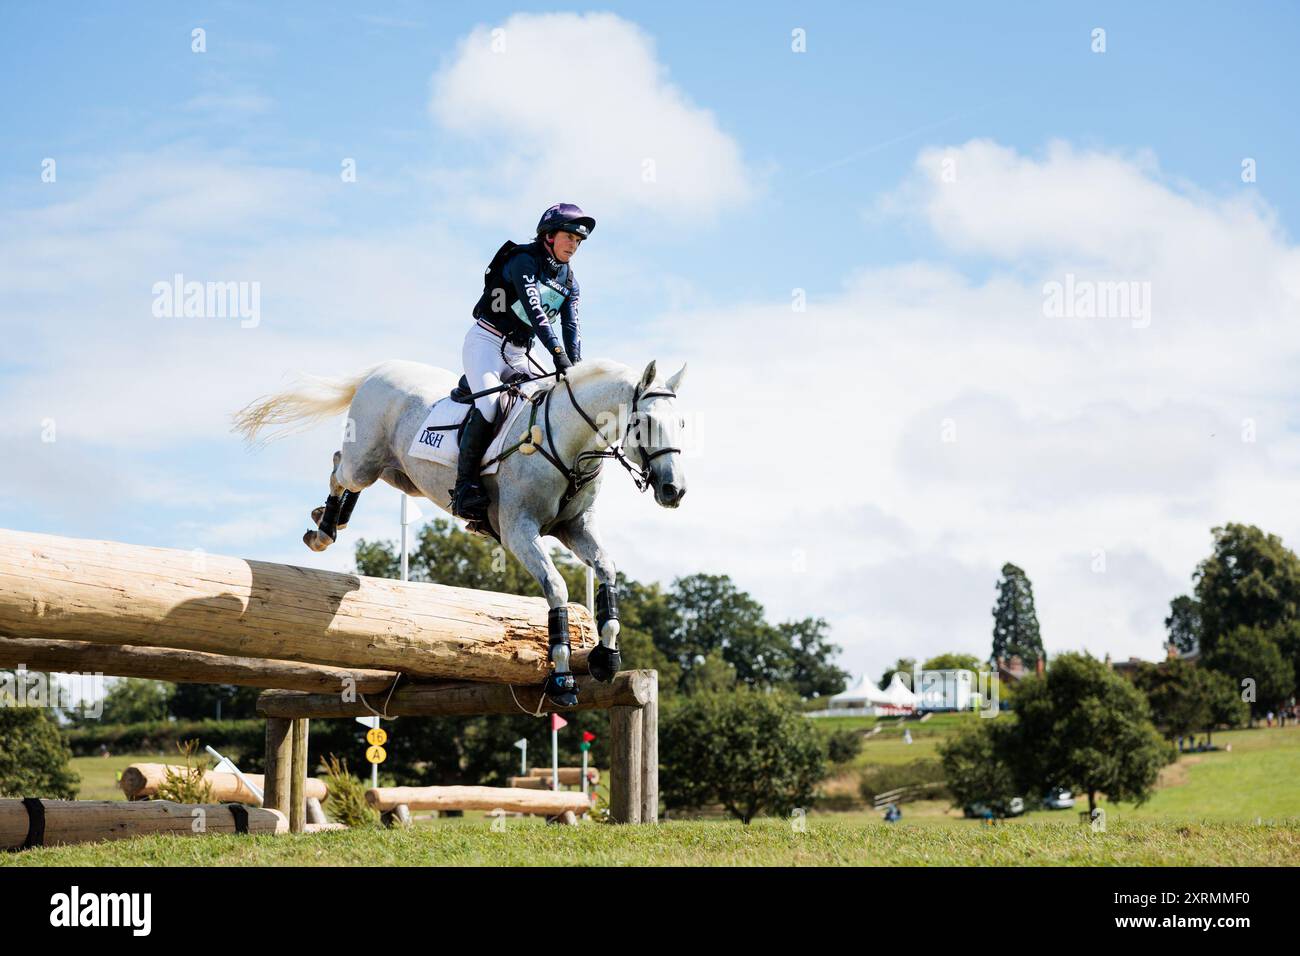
(298, 780)
(279, 760)
(650, 755)
(625, 764)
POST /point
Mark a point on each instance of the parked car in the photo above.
(1058, 798)
(994, 809)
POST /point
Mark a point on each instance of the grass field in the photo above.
(1227, 808)
(828, 841)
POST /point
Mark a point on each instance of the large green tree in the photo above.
(1252, 659)
(1251, 580)
(1015, 623)
(1184, 623)
(750, 751)
(1185, 698)
(1081, 725)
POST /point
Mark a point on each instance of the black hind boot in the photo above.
(469, 499)
(561, 686)
(604, 660)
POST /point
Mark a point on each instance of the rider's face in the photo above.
(566, 244)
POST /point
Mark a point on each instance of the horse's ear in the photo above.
(675, 383)
(648, 376)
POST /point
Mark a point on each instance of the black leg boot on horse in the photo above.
(561, 686)
(604, 660)
(469, 499)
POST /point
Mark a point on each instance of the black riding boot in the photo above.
(469, 499)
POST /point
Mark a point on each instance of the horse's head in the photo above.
(653, 438)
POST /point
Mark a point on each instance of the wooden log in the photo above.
(650, 755)
(298, 777)
(325, 827)
(55, 588)
(528, 783)
(142, 780)
(569, 776)
(625, 765)
(186, 667)
(315, 812)
(544, 802)
(88, 821)
(279, 760)
(628, 689)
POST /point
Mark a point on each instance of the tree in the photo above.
(977, 763)
(812, 674)
(1184, 624)
(712, 614)
(1174, 695)
(34, 756)
(1083, 726)
(1015, 623)
(1251, 658)
(748, 750)
(953, 662)
(133, 700)
(904, 666)
(1251, 580)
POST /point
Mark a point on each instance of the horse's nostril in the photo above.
(670, 492)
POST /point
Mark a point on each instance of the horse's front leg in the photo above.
(523, 537)
(579, 534)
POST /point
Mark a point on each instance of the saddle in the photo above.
(461, 396)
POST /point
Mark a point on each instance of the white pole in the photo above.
(405, 567)
(584, 772)
(523, 759)
(555, 758)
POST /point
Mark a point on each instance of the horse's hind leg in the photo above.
(346, 484)
(327, 522)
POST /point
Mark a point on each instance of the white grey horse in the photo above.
(600, 410)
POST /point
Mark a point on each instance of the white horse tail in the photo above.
(311, 399)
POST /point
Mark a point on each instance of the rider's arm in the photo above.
(569, 324)
(522, 271)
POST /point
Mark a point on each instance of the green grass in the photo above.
(829, 841)
(1204, 814)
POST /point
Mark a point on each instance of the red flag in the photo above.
(557, 722)
(588, 736)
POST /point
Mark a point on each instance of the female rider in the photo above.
(525, 288)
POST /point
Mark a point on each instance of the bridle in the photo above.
(579, 476)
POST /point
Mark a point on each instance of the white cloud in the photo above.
(1075, 438)
(570, 107)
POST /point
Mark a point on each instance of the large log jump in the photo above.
(320, 643)
(57, 588)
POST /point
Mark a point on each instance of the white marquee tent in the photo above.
(870, 699)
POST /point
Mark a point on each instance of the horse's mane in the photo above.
(597, 368)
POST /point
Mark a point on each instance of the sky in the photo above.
(951, 294)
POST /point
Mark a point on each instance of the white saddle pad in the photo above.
(439, 445)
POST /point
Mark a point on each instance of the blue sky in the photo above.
(777, 171)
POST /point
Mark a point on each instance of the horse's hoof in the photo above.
(562, 690)
(603, 663)
(317, 541)
(319, 512)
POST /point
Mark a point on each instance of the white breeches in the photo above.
(485, 366)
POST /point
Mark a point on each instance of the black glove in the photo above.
(562, 364)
